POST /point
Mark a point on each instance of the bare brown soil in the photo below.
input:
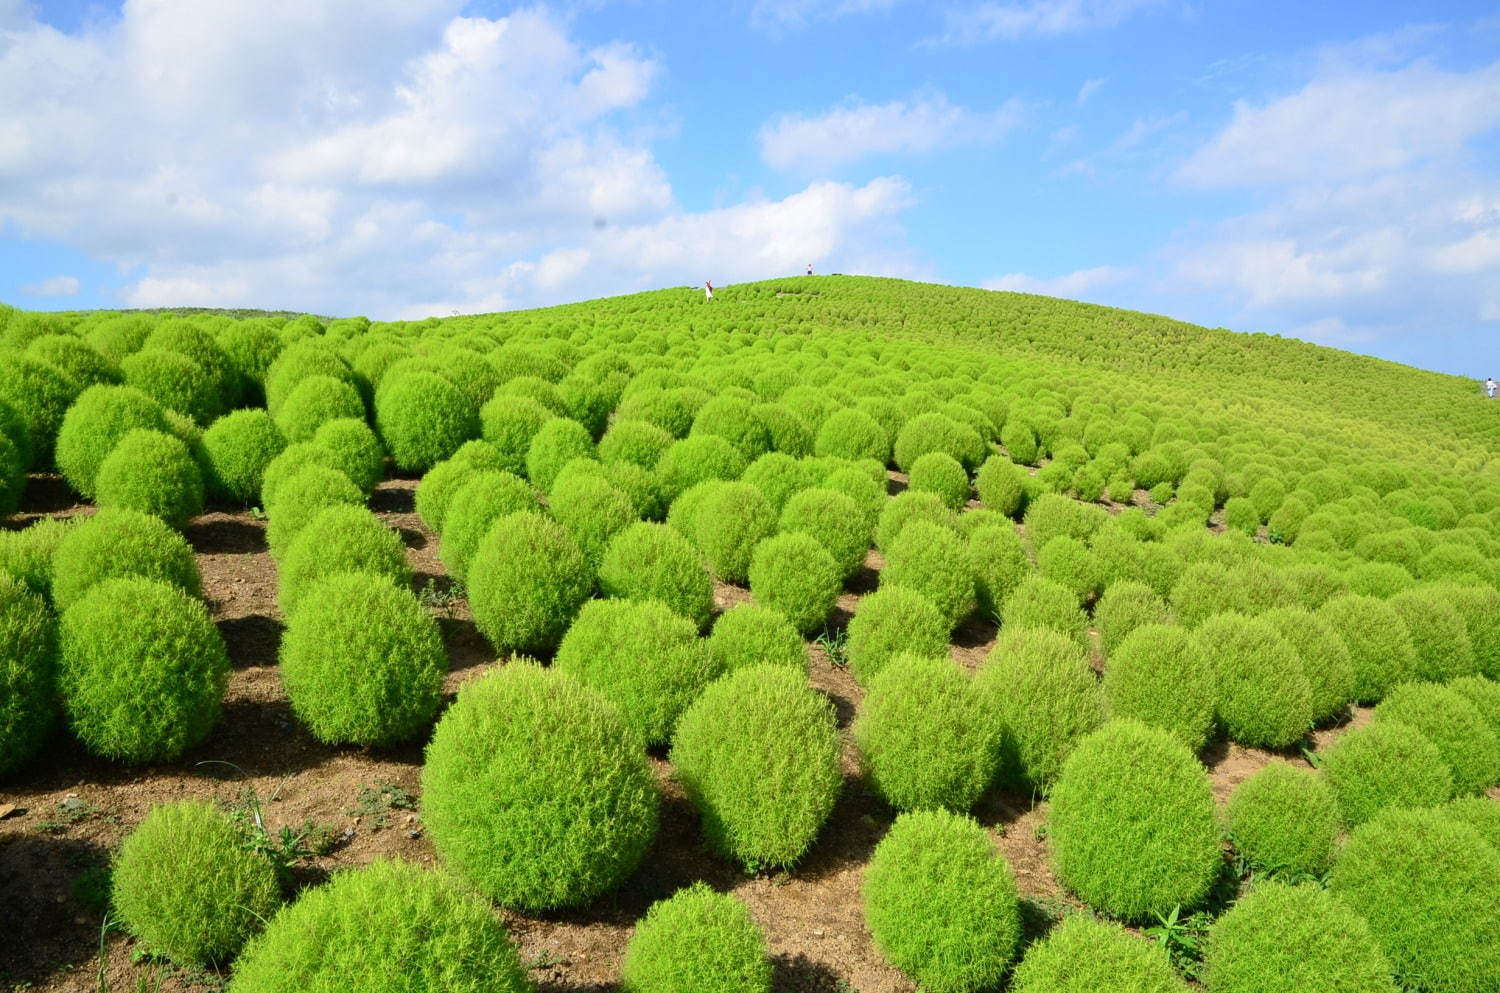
(63, 815)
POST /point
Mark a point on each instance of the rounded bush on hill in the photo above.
(1132, 824)
(13, 430)
(758, 755)
(251, 347)
(592, 510)
(302, 498)
(187, 887)
(795, 575)
(1285, 821)
(726, 520)
(933, 561)
(527, 580)
(1039, 687)
(1463, 736)
(1157, 675)
(557, 442)
(892, 621)
(749, 634)
(1380, 645)
(1438, 633)
(697, 940)
(940, 473)
(362, 661)
(1085, 955)
(925, 738)
(423, 418)
(637, 442)
(1481, 813)
(907, 507)
(1069, 563)
(176, 382)
(116, 543)
(1000, 564)
(1001, 485)
(654, 562)
(142, 670)
(357, 451)
(1041, 603)
(1052, 515)
(1125, 607)
(941, 902)
(1263, 697)
(76, 358)
(26, 555)
(1386, 764)
(1294, 939)
(40, 393)
(1326, 661)
(536, 791)
(509, 423)
(94, 424)
(853, 434)
(338, 539)
(734, 420)
(153, 473)
(240, 446)
(1484, 694)
(28, 673)
(1479, 604)
(296, 362)
(778, 476)
(933, 432)
(483, 499)
(697, 460)
(291, 461)
(442, 481)
(834, 520)
(343, 937)
(314, 402)
(1425, 884)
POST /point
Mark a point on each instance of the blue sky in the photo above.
(1328, 171)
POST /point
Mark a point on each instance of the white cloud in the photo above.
(923, 124)
(1074, 285)
(996, 21)
(53, 286)
(1088, 89)
(776, 15)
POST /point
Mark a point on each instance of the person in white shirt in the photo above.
(708, 289)
(1490, 386)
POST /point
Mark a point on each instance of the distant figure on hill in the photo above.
(1489, 387)
(708, 289)
(809, 268)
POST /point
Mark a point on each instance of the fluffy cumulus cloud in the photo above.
(925, 123)
(53, 286)
(774, 15)
(1009, 21)
(375, 156)
(1084, 284)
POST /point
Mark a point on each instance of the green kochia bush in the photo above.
(638, 442)
(1125, 607)
(483, 499)
(440, 483)
(1285, 820)
(642, 657)
(536, 791)
(28, 673)
(941, 902)
(26, 555)
(357, 452)
(909, 506)
(1263, 697)
(1387, 764)
(95, 423)
(316, 401)
(77, 359)
(935, 432)
(1086, 955)
(302, 498)
(835, 520)
(894, 621)
(116, 543)
(176, 382)
(592, 510)
(1457, 727)
(1132, 824)
(1326, 661)
(343, 538)
(697, 940)
(758, 754)
(1038, 686)
(1482, 693)
(734, 420)
(853, 434)
(1481, 813)
(924, 736)
(1425, 884)
(1294, 939)
(509, 423)
(290, 463)
(40, 393)
(187, 887)
(142, 670)
(1438, 633)
(1000, 564)
(240, 447)
(794, 574)
(154, 473)
(935, 562)
(1380, 647)
(749, 634)
(423, 418)
(1041, 603)
(527, 580)
(1158, 676)
(727, 520)
(652, 561)
(557, 442)
(940, 473)
(344, 937)
(362, 661)
(696, 460)
(1001, 485)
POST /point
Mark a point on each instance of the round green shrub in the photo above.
(1086, 955)
(302, 498)
(292, 460)
(240, 446)
(176, 382)
(654, 562)
(12, 478)
(758, 754)
(1294, 939)
(1263, 697)
(795, 575)
(94, 424)
(1380, 645)
(941, 902)
(1001, 485)
(734, 420)
(338, 539)
(186, 337)
(423, 417)
(154, 473)
(1069, 563)
(1382, 765)
(726, 521)
(1438, 633)
(26, 555)
(1377, 579)
(527, 580)
(296, 362)
(536, 791)
(933, 432)
(362, 661)
(790, 432)
(28, 673)
(557, 442)
(1448, 719)
(509, 423)
(637, 442)
(40, 393)
(892, 621)
(1484, 694)
(642, 657)
(1132, 824)
(442, 481)
(833, 519)
(697, 460)
(1041, 603)
(1000, 564)
(853, 434)
(186, 886)
(1038, 685)
(778, 475)
(1157, 675)
(357, 451)
(116, 543)
(749, 634)
(697, 940)
(142, 670)
(592, 510)
(940, 473)
(933, 561)
(314, 402)
(13, 430)
(1020, 442)
(1326, 661)
(1285, 820)
(1125, 607)
(1481, 813)
(1052, 515)
(1240, 515)
(76, 358)
(251, 347)
(344, 937)
(483, 499)
(1425, 884)
(1479, 604)
(925, 738)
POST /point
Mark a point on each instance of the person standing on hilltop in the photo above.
(809, 268)
(1490, 386)
(708, 290)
